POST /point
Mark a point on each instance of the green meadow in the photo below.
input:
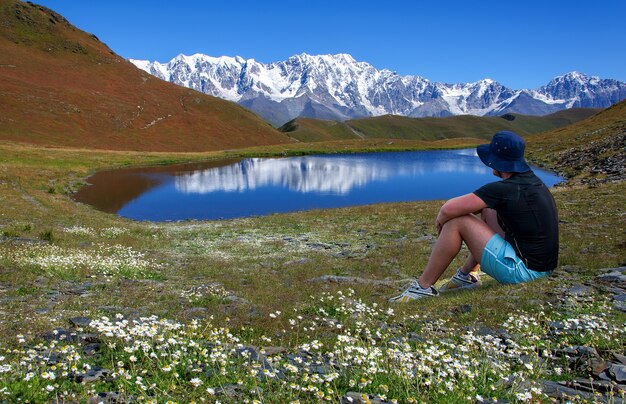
(281, 308)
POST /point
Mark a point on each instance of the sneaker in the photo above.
(458, 281)
(414, 292)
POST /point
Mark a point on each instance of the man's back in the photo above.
(527, 213)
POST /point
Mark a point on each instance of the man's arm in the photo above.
(459, 206)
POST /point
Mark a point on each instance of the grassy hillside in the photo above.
(317, 130)
(60, 86)
(398, 127)
(593, 148)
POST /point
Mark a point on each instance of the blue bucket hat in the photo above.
(505, 153)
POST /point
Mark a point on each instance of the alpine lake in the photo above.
(229, 189)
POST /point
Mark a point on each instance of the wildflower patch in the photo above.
(100, 262)
(337, 348)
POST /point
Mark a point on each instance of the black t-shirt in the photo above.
(527, 214)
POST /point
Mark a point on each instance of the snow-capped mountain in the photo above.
(338, 87)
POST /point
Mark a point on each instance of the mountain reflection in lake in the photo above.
(259, 186)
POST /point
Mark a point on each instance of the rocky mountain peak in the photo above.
(339, 87)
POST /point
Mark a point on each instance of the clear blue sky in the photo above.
(521, 44)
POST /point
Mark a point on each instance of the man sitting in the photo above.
(516, 237)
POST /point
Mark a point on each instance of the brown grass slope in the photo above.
(590, 150)
(399, 127)
(60, 86)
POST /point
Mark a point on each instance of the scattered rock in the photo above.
(598, 367)
(621, 269)
(92, 375)
(22, 240)
(92, 349)
(618, 373)
(233, 391)
(273, 350)
(301, 261)
(80, 321)
(319, 246)
(620, 358)
(572, 268)
(464, 308)
(110, 398)
(354, 280)
(612, 277)
(196, 313)
(559, 391)
(579, 290)
(346, 254)
(620, 305)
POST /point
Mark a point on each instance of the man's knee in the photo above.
(462, 221)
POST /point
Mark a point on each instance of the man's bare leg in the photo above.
(489, 216)
(469, 228)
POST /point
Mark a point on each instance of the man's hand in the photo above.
(459, 206)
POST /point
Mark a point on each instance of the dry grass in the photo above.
(63, 87)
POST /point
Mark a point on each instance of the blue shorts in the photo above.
(500, 261)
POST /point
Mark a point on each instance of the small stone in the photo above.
(579, 290)
(52, 358)
(416, 338)
(353, 280)
(593, 385)
(612, 277)
(464, 308)
(196, 313)
(80, 321)
(229, 390)
(621, 306)
(620, 298)
(92, 349)
(319, 246)
(598, 366)
(60, 334)
(587, 351)
(618, 372)
(557, 390)
(273, 350)
(571, 268)
(620, 358)
(556, 325)
(621, 269)
(92, 375)
(105, 398)
(250, 352)
(301, 261)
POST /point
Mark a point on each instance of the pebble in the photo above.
(301, 261)
(354, 280)
(92, 375)
(80, 321)
(618, 373)
(580, 290)
(110, 398)
(620, 358)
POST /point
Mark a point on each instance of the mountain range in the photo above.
(338, 87)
